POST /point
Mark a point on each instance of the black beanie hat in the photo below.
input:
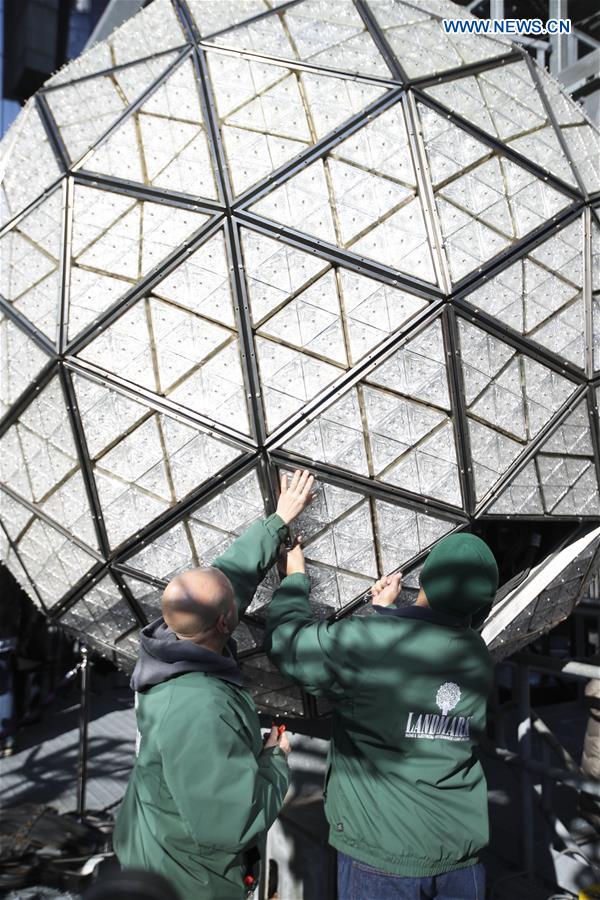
(460, 575)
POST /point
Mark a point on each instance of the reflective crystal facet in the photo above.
(238, 236)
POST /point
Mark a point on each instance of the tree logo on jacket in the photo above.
(447, 697)
(442, 727)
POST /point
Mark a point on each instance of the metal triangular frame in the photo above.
(231, 213)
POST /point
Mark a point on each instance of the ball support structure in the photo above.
(395, 491)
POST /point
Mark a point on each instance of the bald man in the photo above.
(205, 788)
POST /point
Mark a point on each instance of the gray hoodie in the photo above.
(164, 656)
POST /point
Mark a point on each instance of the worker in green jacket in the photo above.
(405, 794)
(205, 789)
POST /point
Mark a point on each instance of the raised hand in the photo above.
(296, 495)
(385, 591)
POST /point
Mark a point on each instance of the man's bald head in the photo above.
(198, 603)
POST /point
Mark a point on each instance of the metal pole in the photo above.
(546, 792)
(85, 668)
(524, 739)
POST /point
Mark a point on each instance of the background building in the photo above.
(38, 37)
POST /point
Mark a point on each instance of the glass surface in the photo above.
(541, 294)
(151, 468)
(163, 143)
(53, 562)
(418, 368)
(361, 197)
(205, 533)
(315, 31)
(404, 533)
(289, 379)
(303, 306)
(20, 361)
(420, 43)
(38, 451)
(103, 613)
(335, 436)
(85, 110)
(30, 256)
(116, 241)
(27, 145)
(508, 390)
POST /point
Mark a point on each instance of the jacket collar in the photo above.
(423, 614)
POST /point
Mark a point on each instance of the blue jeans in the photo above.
(358, 881)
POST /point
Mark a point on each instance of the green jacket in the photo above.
(203, 790)
(404, 790)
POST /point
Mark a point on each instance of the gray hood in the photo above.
(164, 656)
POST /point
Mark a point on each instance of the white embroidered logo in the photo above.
(445, 727)
(447, 697)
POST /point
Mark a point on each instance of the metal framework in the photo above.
(449, 303)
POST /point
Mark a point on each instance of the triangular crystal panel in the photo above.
(335, 436)
(38, 451)
(422, 45)
(103, 613)
(175, 352)
(418, 368)
(20, 361)
(511, 396)
(312, 321)
(506, 103)
(30, 257)
(54, 562)
(326, 35)
(27, 144)
(484, 201)
(205, 533)
(289, 379)
(153, 30)
(561, 479)
(81, 123)
(116, 241)
(403, 533)
(152, 466)
(363, 197)
(270, 114)
(164, 142)
(541, 294)
(280, 277)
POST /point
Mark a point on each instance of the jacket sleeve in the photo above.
(226, 796)
(249, 558)
(325, 658)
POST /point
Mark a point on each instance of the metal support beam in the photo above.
(533, 71)
(558, 668)
(521, 689)
(84, 461)
(563, 47)
(367, 486)
(459, 408)
(562, 776)
(84, 715)
(381, 40)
